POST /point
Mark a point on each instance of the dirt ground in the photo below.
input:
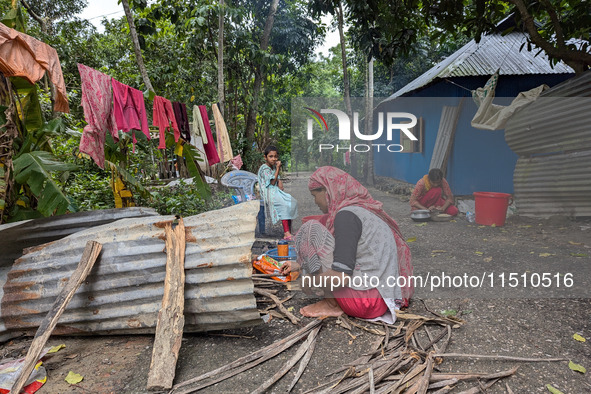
(524, 321)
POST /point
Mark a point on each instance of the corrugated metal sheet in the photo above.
(557, 129)
(559, 120)
(554, 185)
(124, 291)
(483, 59)
(445, 137)
(14, 237)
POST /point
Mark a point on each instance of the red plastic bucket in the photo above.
(491, 208)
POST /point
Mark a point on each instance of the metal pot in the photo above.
(441, 217)
(420, 215)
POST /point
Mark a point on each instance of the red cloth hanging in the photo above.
(210, 149)
(163, 118)
(129, 110)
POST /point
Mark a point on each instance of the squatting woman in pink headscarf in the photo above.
(368, 251)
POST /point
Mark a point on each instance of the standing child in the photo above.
(280, 205)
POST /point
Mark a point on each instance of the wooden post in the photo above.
(169, 327)
(91, 253)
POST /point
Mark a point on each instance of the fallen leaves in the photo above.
(546, 254)
(421, 224)
(579, 338)
(56, 348)
(437, 252)
(553, 389)
(449, 312)
(74, 378)
(488, 259)
(479, 253)
(579, 254)
(575, 243)
(411, 239)
(576, 367)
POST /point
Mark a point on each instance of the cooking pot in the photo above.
(420, 215)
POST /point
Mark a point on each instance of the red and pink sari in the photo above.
(343, 190)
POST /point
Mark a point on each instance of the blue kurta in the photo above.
(280, 205)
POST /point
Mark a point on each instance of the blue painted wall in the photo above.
(480, 160)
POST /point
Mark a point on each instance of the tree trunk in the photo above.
(221, 96)
(365, 160)
(369, 121)
(346, 89)
(43, 23)
(136, 46)
(260, 73)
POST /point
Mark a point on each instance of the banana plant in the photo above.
(27, 187)
(33, 172)
(34, 192)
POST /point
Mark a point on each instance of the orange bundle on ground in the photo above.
(268, 265)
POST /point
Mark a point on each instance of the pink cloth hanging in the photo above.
(129, 109)
(98, 112)
(210, 149)
(163, 118)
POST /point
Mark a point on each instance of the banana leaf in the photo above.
(17, 213)
(191, 154)
(34, 169)
(29, 108)
(40, 140)
(14, 19)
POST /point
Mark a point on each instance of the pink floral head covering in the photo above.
(342, 190)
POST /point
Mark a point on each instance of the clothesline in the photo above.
(110, 105)
(458, 85)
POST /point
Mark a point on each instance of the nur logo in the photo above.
(404, 122)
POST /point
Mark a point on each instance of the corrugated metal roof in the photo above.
(483, 59)
(14, 237)
(123, 293)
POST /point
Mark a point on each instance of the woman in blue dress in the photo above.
(280, 205)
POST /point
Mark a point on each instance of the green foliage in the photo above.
(185, 200)
(57, 9)
(34, 170)
(90, 191)
(14, 19)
